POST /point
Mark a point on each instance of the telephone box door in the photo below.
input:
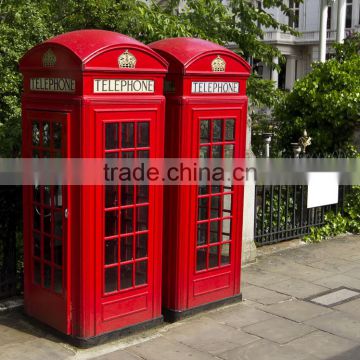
(47, 242)
(127, 240)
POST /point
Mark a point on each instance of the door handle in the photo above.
(66, 213)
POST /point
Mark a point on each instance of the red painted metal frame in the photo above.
(84, 56)
(185, 288)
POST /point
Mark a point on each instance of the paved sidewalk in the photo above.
(276, 320)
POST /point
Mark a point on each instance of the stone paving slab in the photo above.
(339, 280)
(263, 296)
(351, 308)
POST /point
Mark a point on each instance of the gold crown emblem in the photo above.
(49, 59)
(127, 60)
(218, 64)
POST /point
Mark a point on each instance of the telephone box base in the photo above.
(176, 315)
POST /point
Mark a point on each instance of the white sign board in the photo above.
(215, 87)
(52, 84)
(123, 86)
(323, 189)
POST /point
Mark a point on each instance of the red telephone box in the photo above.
(206, 117)
(92, 252)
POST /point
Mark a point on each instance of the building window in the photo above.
(294, 5)
(328, 24)
(349, 7)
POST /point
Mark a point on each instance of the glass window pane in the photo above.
(215, 207)
(126, 274)
(58, 223)
(204, 131)
(47, 220)
(126, 251)
(47, 276)
(127, 135)
(201, 259)
(226, 229)
(204, 152)
(36, 133)
(57, 135)
(111, 136)
(127, 194)
(203, 189)
(111, 196)
(141, 273)
(143, 154)
(37, 244)
(58, 281)
(58, 196)
(111, 252)
(111, 279)
(141, 245)
(142, 194)
(202, 234)
(46, 134)
(127, 216)
(37, 193)
(47, 248)
(227, 205)
(143, 134)
(111, 223)
(214, 231)
(229, 130)
(47, 195)
(37, 272)
(37, 222)
(58, 252)
(214, 256)
(203, 208)
(215, 189)
(229, 151)
(217, 151)
(217, 130)
(128, 154)
(142, 218)
(225, 254)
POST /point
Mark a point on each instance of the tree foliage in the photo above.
(25, 23)
(326, 103)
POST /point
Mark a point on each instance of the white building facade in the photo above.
(301, 51)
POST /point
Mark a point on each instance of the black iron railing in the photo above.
(281, 213)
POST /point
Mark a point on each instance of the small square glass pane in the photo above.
(111, 136)
(111, 196)
(111, 252)
(111, 223)
(141, 245)
(227, 205)
(142, 195)
(127, 135)
(202, 234)
(126, 250)
(214, 231)
(58, 228)
(215, 189)
(58, 281)
(126, 275)
(58, 253)
(47, 195)
(36, 133)
(37, 272)
(217, 151)
(111, 279)
(217, 130)
(37, 244)
(58, 196)
(229, 151)
(143, 154)
(142, 134)
(226, 229)
(128, 154)
(229, 130)
(47, 248)
(46, 134)
(57, 135)
(203, 189)
(142, 218)
(203, 208)
(47, 276)
(225, 254)
(37, 193)
(127, 216)
(141, 273)
(204, 131)
(213, 256)
(47, 220)
(127, 194)
(204, 152)
(201, 259)
(215, 207)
